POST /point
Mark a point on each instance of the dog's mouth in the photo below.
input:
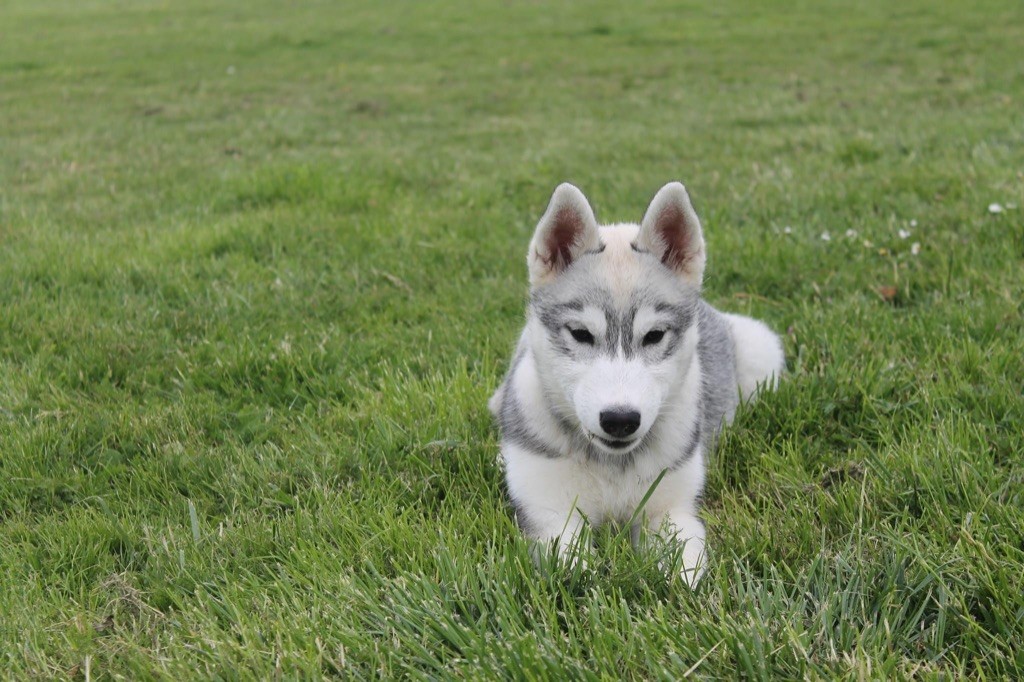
(617, 445)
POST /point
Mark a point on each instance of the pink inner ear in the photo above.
(675, 235)
(562, 237)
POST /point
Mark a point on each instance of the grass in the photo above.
(262, 265)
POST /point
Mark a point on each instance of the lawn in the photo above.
(262, 264)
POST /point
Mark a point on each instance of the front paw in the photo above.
(681, 539)
(688, 559)
(566, 551)
(694, 562)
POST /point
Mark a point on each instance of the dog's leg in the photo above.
(671, 514)
(546, 495)
(565, 531)
(683, 526)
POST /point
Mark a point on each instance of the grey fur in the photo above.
(716, 350)
(514, 429)
(519, 514)
(554, 313)
(511, 420)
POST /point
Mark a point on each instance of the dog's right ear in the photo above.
(671, 231)
(566, 231)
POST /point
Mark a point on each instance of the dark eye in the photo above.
(582, 336)
(654, 337)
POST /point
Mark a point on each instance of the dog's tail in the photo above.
(494, 404)
(760, 361)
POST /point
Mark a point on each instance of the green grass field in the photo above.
(262, 264)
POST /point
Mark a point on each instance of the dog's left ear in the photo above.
(566, 231)
(671, 231)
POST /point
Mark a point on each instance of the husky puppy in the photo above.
(622, 372)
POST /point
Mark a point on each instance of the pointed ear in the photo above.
(566, 231)
(671, 231)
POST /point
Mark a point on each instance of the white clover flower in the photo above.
(903, 234)
(995, 208)
(787, 230)
(826, 237)
(913, 222)
(915, 248)
(851, 234)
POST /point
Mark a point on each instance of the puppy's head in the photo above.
(612, 312)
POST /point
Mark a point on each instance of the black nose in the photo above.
(619, 423)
